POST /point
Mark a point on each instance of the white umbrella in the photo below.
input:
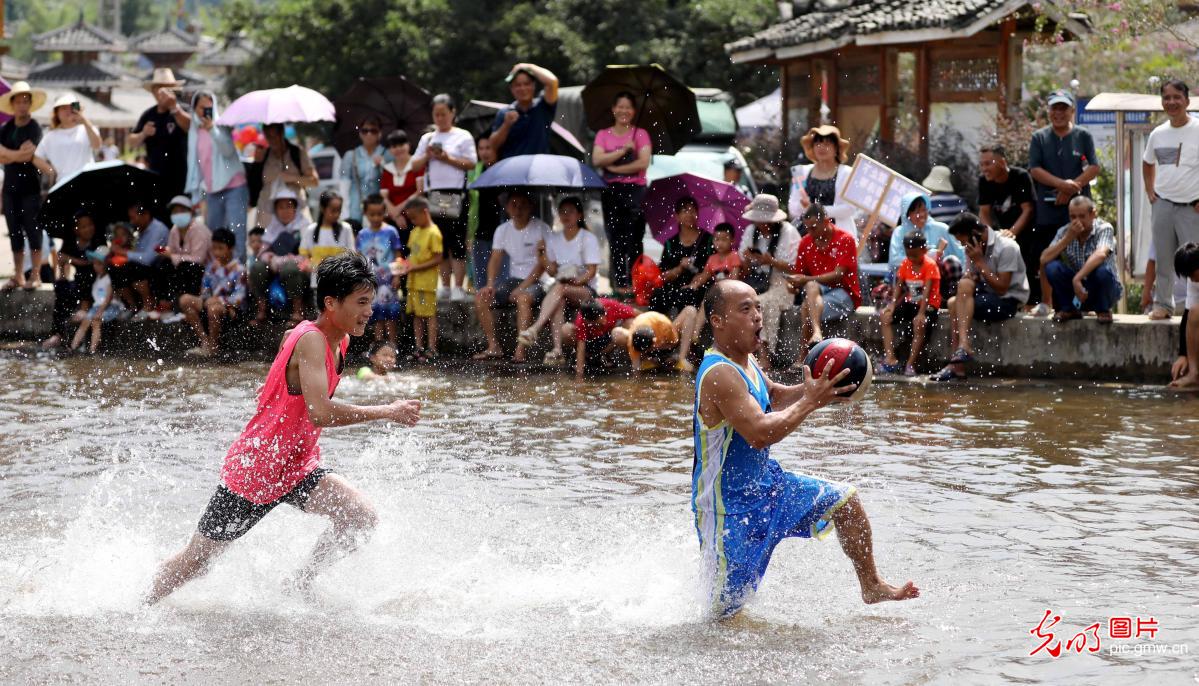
(278, 106)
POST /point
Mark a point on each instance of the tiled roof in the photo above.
(78, 37)
(170, 40)
(832, 23)
(13, 69)
(233, 52)
(90, 75)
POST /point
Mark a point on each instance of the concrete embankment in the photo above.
(1132, 349)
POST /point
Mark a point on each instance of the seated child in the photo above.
(592, 332)
(253, 246)
(915, 297)
(104, 308)
(654, 340)
(222, 292)
(424, 260)
(382, 362)
(725, 263)
(380, 243)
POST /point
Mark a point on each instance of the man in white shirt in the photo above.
(1170, 167)
(522, 240)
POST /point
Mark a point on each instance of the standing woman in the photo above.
(823, 180)
(486, 215)
(623, 152)
(215, 172)
(71, 142)
(363, 166)
(19, 138)
(446, 153)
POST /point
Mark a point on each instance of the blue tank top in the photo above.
(729, 476)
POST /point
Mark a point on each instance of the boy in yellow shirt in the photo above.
(424, 260)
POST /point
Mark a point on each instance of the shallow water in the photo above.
(537, 530)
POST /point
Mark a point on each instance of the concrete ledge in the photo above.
(1133, 349)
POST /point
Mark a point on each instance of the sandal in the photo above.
(527, 337)
(947, 374)
(961, 356)
(1066, 315)
(1104, 317)
(886, 368)
(418, 355)
(487, 355)
(553, 358)
(1160, 314)
(10, 285)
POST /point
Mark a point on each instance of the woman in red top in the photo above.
(398, 182)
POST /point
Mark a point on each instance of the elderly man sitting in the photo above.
(1081, 266)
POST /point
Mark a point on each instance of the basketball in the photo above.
(843, 354)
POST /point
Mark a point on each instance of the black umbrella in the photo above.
(105, 190)
(478, 116)
(395, 101)
(665, 106)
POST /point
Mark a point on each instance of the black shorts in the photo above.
(905, 313)
(229, 516)
(596, 346)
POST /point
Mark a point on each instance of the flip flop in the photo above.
(947, 374)
(960, 356)
(1104, 317)
(10, 285)
(1065, 316)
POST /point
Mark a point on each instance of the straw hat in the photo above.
(938, 181)
(764, 209)
(39, 97)
(163, 78)
(826, 130)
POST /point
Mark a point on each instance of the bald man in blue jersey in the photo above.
(744, 502)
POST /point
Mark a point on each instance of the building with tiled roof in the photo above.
(843, 60)
(233, 52)
(79, 37)
(169, 47)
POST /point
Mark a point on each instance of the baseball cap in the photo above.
(1061, 97)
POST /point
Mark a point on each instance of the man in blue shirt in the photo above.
(743, 501)
(523, 127)
(1062, 161)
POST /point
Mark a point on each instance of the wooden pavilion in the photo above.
(845, 56)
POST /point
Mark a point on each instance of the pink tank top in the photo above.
(278, 447)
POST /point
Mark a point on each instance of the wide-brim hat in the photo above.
(938, 180)
(825, 130)
(39, 97)
(163, 78)
(764, 209)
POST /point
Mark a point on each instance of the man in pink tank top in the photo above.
(276, 459)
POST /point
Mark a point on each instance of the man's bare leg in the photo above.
(688, 323)
(483, 307)
(353, 518)
(187, 564)
(524, 317)
(815, 304)
(853, 531)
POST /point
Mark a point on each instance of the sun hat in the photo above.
(182, 201)
(809, 139)
(163, 78)
(764, 209)
(284, 192)
(65, 100)
(39, 97)
(938, 180)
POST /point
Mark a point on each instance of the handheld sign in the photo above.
(878, 190)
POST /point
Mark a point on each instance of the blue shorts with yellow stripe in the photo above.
(799, 506)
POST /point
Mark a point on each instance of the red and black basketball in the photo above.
(843, 354)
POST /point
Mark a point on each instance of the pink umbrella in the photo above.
(278, 106)
(718, 201)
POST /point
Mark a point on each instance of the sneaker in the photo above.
(143, 315)
(173, 318)
(458, 295)
(886, 368)
(1041, 310)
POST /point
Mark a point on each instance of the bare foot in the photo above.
(882, 591)
(1185, 383)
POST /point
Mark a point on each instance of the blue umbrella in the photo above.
(539, 171)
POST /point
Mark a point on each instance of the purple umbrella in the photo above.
(718, 202)
(4, 88)
(278, 106)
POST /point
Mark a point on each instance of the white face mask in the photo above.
(181, 219)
